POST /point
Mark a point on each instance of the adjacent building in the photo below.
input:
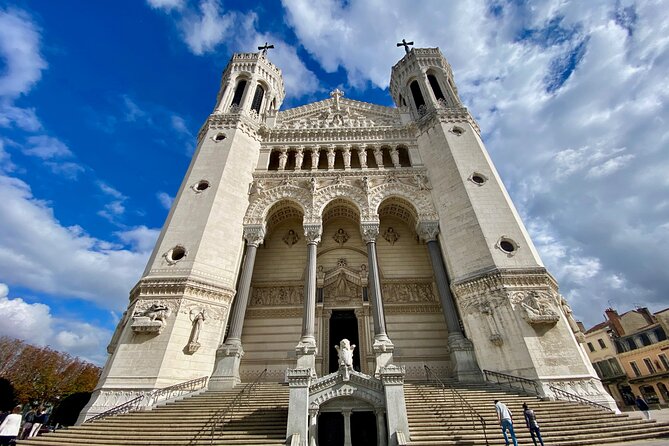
(630, 353)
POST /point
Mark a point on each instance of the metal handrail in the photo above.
(489, 374)
(576, 398)
(229, 410)
(154, 397)
(457, 398)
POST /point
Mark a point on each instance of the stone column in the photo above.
(313, 427)
(347, 426)
(315, 157)
(298, 405)
(346, 154)
(462, 350)
(331, 157)
(383, 347)
(381, 435)
(395, 157)
(283, 157)
(299, 158)
(229, 354)
(392, 378)
(378, 156)
(306, 348)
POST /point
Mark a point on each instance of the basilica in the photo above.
(343, 248)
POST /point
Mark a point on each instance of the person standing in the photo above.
(532, 425)
(643, 406)
(506, 421)
(9, 429)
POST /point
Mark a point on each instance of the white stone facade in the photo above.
(386, 226)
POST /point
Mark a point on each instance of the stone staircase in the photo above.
(259, 420)
(435, 418)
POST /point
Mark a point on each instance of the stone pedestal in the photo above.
(383, 351)
(298, 405)
(226, 373)
(466, 368)
(392, 377)
(306, 356)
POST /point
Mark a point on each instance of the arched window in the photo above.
(417, 95)
(435, 87)
(257, 99)
(239, 92)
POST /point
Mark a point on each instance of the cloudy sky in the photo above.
(100, 102)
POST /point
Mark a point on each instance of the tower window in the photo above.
(417, 95)
(435, 87)
(239, 92)
(257, 99)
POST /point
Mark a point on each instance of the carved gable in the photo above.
(340, 113)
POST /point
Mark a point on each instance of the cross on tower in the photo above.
(265, 47)
(335, 95)
(405, 44)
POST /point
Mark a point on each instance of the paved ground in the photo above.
(660, 416)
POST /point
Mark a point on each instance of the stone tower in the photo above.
(383, 231)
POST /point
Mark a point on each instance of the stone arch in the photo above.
(341, 190)
(399, 208)
(258, 210)
(420, 200)
(367, 395)
(281, 211)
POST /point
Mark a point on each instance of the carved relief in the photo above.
(197, 316)
(277, 296)
(341, 288)
(408, 292)
(536, 307)
(151, 316)
(391, 235)
(341, 236)
(290, 238)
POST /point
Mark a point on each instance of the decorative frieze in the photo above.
(408, 292)
(277, 296)
(181, 287)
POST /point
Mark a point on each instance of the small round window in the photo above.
(507, 245)
(200, 186)
(478, 178)
(175, 254)
(220, 136)
(458, 131)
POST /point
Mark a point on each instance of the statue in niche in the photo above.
(395, 157)
(391, 236)
(313, 184)
(569, 314)
(283, 159)
(290, 238)
(365, 184)
(345, 353)
(340, 236)
(197, 316)
(362, 156)
(378, 156)
(364, 274)
(320, 273)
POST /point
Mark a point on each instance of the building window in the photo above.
(591, 347)
(645, 340)
(239, 92)
(649, 365)
(661, 335)
(665, 361)
(631, 344)
(435, 87)
(635, 368)
(257, 99)
(601, 343)
(615, 367)
(417, 95)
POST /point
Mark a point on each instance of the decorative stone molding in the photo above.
(150, 317)
(275, 313)
(299, 377)
(412, 309)
(340, 237)
(392, 375)
(181, 287)
(254, 234)
(502, 279)
(427, 230)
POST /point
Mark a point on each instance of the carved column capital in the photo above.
(369, 231)
(313, 232)
(254, 234)
(428, 230)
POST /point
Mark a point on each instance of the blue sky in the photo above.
(100, 102)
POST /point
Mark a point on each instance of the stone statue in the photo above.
(299, 158)
(346, 153)
(290, 238)
(378, 156)
(362, 156)
(340, 236)
(156, 312)
(569, 314)
(395, 157)
(198, 318)
(283, 159)
(151, 320)
(345, 353)
(331, 157)
(313, 185)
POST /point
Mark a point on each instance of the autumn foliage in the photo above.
(40, 374)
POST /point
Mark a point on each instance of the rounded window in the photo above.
(478, 178)
(200, 186)
(507, 245)
(175, 254)
(457, 131)
(220, 136)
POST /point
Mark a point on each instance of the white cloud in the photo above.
(133, 112)
(165, 199)
(46, 147)
(24, 118)
(166, 5)
(205, 29)
(43, 255)
(141, 238)
(34, 323)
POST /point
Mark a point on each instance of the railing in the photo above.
(219, 418)
(459, 401)
(154, 397)
(564, 395)
(512, 381)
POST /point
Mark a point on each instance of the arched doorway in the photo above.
(343, 325)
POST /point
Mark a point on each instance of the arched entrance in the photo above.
(343, 325)
(347, 421)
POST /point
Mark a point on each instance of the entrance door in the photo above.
(363, 429)
(343, 325)
(331, 429)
